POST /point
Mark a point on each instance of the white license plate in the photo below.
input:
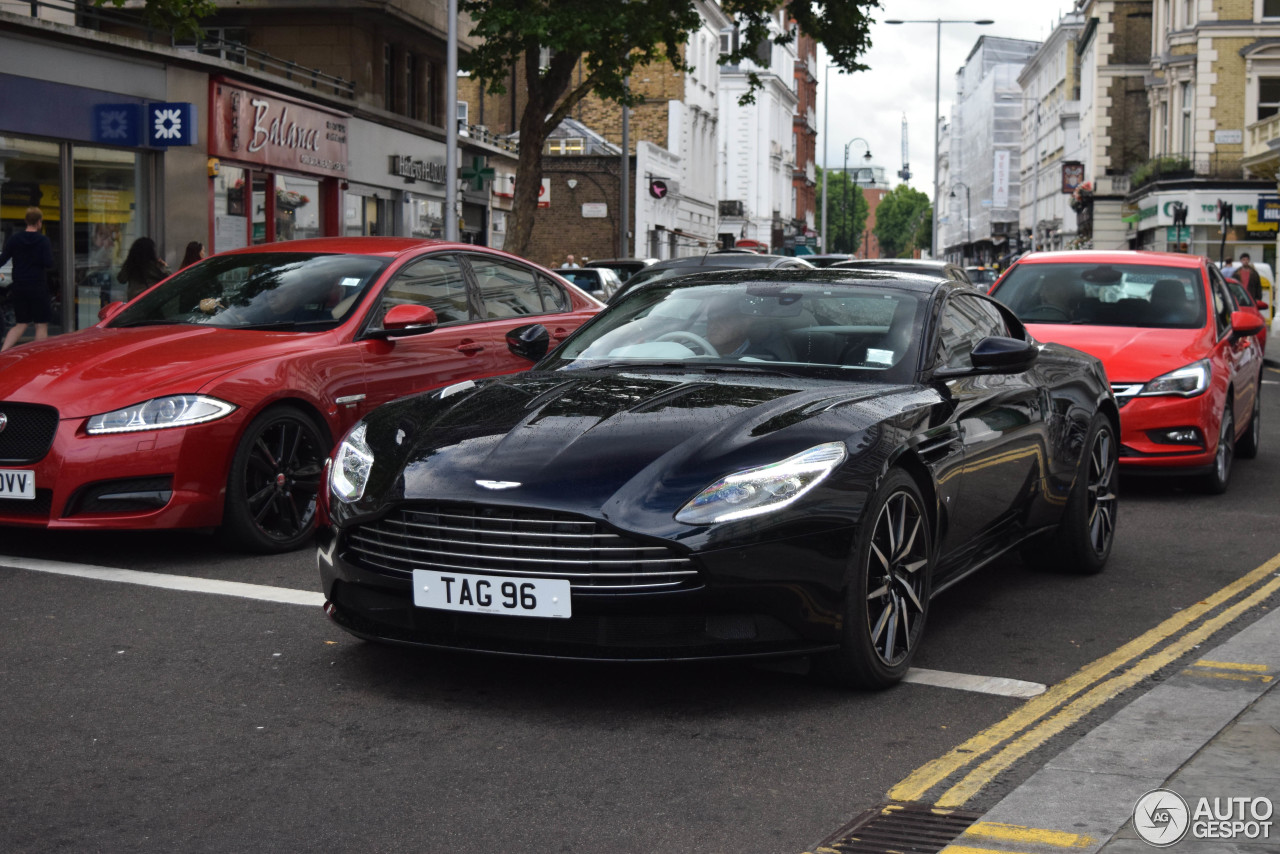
(491, 594)
(15, 483)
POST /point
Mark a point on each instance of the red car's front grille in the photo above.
(26, 432)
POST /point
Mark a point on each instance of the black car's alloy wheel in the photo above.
(274, 482)
(888, 598)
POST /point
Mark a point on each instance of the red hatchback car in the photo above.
(1183, 360)
(213, 399)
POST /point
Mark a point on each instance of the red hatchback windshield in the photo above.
(1101, 294)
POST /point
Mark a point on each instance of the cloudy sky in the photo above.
(903, 66)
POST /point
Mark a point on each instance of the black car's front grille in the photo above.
(515, 542)
(27, 432)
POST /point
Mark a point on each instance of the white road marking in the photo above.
(997, 685)
(172, 582)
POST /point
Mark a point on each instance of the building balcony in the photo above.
(1187, 167)
(1262, 147)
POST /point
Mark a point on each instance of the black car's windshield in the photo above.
(1100, 294)
(276, 290)
(766, 326)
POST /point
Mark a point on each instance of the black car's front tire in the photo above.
(274, 481)
(887, 595)
(1087, 531)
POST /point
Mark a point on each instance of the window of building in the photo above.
(1268, 96)
(412, 96)
(464, 113)
(431, 85)
(569, 145)
(388, 78)
(1188, 13)
(1271, 8)
(1187, 118)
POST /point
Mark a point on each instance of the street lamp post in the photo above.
(845, 206)
(826, 99)
(937, 99)
(968, 219)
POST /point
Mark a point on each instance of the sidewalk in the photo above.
(1209, 733)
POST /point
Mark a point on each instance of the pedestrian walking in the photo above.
(1229, 267)
(142, 267)
(1248, 275)
(195, 252)
(32, 256)
(569, 261)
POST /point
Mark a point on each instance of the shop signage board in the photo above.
(256, 126)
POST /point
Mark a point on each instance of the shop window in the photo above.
(29, 177)
(425, 217)
(110, 214)
(230, 220)
(1268, 97)
(297, 207)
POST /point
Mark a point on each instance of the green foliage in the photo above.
(847, 212)
(1154, 168)
(181, 17)
(904, 220)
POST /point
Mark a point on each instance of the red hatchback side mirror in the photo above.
(1244, 324)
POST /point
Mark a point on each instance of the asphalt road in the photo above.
(145, 719)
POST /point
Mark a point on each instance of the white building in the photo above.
(682, 219)
(757, 159)
(1049, 103)
(980, 201)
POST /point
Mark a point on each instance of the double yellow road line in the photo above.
(995, 749)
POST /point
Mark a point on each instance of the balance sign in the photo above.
(171, 124)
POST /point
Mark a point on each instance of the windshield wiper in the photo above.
(589, 365)
(154, 322)
(751, 368)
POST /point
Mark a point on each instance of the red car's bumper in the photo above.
(1146, 421)
(173, 478)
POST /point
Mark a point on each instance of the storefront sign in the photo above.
(118, 124)
(1269, 208)
(1000, 188)
(171, 124)
(417, 170)
(1228, 137)
(257, 126)
(1072, 175)
(1202, 207)
(594, 210)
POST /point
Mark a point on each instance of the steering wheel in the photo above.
(1048, 312)
(690, 338)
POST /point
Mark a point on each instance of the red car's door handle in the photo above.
(469, 348)
(560, 333)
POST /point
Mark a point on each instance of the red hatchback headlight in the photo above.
(1187, 381)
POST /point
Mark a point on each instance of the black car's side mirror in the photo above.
(529, 342)
(996, 355)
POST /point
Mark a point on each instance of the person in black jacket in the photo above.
(1248, 275)
(142, 267)
(32, 256)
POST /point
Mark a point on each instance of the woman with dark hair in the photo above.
(142, 267)
(195, 252)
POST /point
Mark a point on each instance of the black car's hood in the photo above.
(610, 443)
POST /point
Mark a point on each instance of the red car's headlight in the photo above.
(178, 410)
(1187, 381)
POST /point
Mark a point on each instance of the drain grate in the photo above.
(899, 828)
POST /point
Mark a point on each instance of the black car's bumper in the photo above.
(772, 599)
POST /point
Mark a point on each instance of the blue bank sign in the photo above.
(156, 125)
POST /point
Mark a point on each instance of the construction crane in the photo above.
(905, 172)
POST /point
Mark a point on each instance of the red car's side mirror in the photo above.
(409, 319)
(109, 311)
(1244, 324)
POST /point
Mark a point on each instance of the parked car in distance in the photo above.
(723, 259)
(982, 277)
(600, 282)
(1183, 359)
(760, 462)
(213, 398)
(915, 266)
(623, 267)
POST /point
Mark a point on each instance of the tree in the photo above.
(181, 17)
(611, 40)
(903, 221)
(844, 226)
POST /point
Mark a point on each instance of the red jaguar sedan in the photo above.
(212, 399)
(1183, 360)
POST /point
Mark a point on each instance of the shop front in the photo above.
(276, 167)
(84, 157)
(1189, 221)
(396, 183)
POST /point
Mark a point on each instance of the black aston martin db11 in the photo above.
(746, 463)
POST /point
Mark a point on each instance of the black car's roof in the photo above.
(723, 259)
(917, 284)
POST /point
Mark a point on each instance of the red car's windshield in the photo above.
(1100, 294)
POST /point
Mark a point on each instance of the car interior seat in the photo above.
(1169, 302)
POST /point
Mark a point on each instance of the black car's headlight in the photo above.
(177, 410)
(1187, 381)
(352, 462)
(763, 489)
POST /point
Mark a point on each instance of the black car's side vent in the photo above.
(515, 542)
(935, 446)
